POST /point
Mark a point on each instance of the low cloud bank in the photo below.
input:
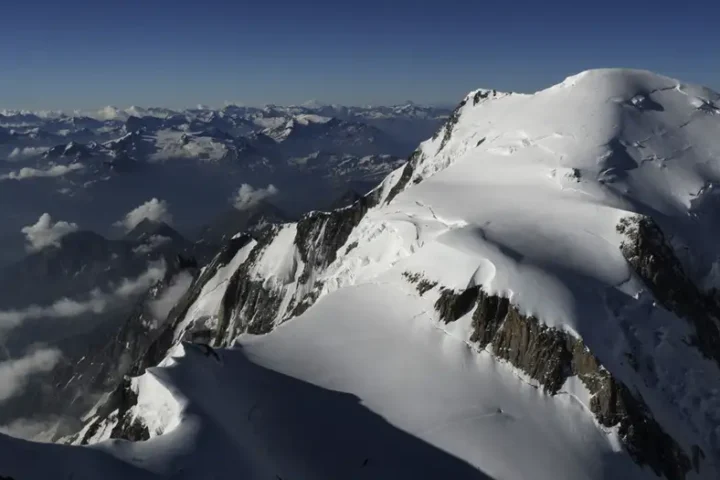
(14, 374)
(248, 196)
(98, 301)
(41, 429)
(54, 171)
(161, 307)
(154, 210)
(45, 233)
(21, 153)
(152, 243)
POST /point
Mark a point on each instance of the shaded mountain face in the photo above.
(86, 283)
(77, 298)
(148, 228)
(84, 261)
(85, 258)
(345, 200)
(234, 221)
(95, 357)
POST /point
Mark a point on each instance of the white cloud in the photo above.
(27, 428)
(98, 301)
(248, 196)
(152, 243)
(19, 153)
(154, 210)
(14, 373)
(45, 233)
(130, 288)
(161, 307)
(41, 429)
(54, 171)
(109, 113)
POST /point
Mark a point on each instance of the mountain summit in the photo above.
(532, 295)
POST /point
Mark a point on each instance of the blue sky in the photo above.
(86, 54)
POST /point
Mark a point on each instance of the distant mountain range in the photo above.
(194, 159)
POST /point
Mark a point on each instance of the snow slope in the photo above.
(384, 393)
(502, 306)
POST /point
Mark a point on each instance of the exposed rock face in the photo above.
(482, 94)
(650, 254)
(164, 341)
(452, 305)
(406, 175)
(321, 234)
(117, 409)
(447, 129)
(248, 304)
(422, 284)
(550, 356)
(126, 428)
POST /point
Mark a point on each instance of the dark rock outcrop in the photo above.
(550, 356)
(250, 305)
(654, 261)
(321, 234)
(452, 305)
(127, 428)
(118, 407)
(405, 176)
(306, 302)
(482, 95)
(449, 126)
(422, 284)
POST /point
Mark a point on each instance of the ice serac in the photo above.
(530, 296)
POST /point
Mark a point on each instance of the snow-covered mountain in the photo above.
(532, 295)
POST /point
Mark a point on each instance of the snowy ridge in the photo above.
(522, 295)
(158, 408)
